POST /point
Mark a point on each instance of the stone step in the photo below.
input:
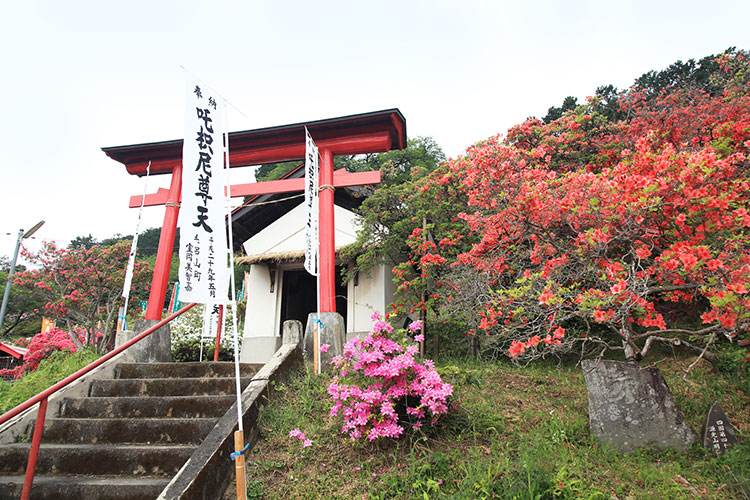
(169, 407)
(84, 487)
(114, 460)
(127, 430)
(156, 387)
(184, 370)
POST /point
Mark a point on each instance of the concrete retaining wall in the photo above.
(210, 469)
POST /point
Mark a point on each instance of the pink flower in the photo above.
(324, 348)
(306, 443)
(419, 338)
(415, 325)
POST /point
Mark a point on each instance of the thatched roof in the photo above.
(272, 257)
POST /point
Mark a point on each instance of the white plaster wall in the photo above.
(259, 320)
(373, 293)
(287, 233)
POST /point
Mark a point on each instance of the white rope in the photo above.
(233, 300)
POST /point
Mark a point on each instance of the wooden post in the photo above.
(327, 254)
(239, 464)
(218, 332)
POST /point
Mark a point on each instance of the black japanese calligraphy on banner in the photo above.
(203, 244)
(311, 204)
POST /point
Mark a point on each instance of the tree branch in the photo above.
(678, 330)
(702, 354)
(712, 358)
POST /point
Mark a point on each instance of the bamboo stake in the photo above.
(316, 348)
(239, 464)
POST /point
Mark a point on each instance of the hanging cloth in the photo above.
(122, 325)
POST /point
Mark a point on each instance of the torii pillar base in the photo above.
(155, 348)
(332, 333)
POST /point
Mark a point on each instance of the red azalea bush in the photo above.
(593, 232)
(381, 386)
(84, 286)
(41, 346)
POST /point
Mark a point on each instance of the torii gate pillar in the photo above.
(160, 280)
(375, 132)
(326, 223)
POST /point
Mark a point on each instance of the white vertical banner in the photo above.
(134, 245)
(311, 204)
(210, 324)
(204, 271)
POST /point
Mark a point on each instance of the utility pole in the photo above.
(6, 295)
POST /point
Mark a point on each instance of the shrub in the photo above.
(381, 387)
(186, 331)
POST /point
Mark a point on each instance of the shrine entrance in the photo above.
(298, 295)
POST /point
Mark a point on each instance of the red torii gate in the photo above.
(374, 132)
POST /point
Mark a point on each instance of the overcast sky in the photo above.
(80, 75)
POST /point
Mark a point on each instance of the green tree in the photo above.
(148, 241)
(410, 223)
(553, 113)
(22, 316)
(116, 238)
(275, 171)
(396, 165)
(710, 74)
(84, 242)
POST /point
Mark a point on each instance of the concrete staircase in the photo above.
(129, 437)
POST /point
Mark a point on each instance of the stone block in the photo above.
(717, 432)
(157, 347)
(291, 332)
(630, 406)
(259, 349)
(332, 332)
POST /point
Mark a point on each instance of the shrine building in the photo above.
(269, 236)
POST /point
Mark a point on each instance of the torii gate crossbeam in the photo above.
(355, 134)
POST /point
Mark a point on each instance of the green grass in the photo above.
(516, 433)
(51, 370)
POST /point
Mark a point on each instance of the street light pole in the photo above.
(6, 295)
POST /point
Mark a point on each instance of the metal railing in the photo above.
(42, 397)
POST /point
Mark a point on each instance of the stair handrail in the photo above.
(83, 371)
(42, 397)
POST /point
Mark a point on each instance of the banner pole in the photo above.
(239, 435)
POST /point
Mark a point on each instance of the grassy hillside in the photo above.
(516, 433)
(51, 370)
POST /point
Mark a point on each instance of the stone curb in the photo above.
(210, 469)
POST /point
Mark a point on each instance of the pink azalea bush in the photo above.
(381, 387)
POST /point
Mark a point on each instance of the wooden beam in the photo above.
(340, 179)
(163, 160)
